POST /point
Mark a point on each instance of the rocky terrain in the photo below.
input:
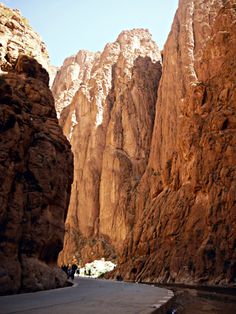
(36, 175)
(17, 37)
(109, 123)
(185, 213)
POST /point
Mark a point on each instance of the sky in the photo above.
(67, 26)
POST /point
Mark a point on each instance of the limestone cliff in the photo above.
(185, 204)
(52, 71)
(17, 37)
(74, 72)
(35, 180)
(109, 123)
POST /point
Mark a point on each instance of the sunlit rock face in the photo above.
(74, 72)
(17, 37)
(35, 180)
(185, 204)
(109, 123)
(52, 71)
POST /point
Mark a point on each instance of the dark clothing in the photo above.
(71, 271)
(65, 269)
(71, 274)
(74, 267)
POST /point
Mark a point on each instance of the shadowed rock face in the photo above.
(185, 204)
(35, 180)
(109, 123)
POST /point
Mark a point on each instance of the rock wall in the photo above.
(109, 123)
(52, 71)
(17, 37)
(185, 213)
(74, 72)
(35, 179)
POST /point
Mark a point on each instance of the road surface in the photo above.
(88, 296)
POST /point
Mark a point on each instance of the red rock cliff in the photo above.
(109, 123)
(185, 204)
(35, 179)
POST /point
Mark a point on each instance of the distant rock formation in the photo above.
(109, 123)
(185, 204)
(35, 180)
(74, 72)
(52, 71)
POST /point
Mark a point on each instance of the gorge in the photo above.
(153, 139)
(168, 216)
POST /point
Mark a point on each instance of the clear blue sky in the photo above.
(67, 26)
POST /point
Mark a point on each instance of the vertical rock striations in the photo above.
(109, 123)
(185, 204)
(74, 72)
(35, 180)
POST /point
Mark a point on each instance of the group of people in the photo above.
(70, 270)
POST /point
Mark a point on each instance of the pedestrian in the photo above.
(70, 274)
(65, 269)
(74, 267)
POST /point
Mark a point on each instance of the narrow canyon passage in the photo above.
(129, 157)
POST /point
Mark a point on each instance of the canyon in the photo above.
(153, 137)
(159, 199)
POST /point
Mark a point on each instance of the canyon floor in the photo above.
(89, 296)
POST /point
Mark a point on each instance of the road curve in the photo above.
(89, 296)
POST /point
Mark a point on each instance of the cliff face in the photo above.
(36, 175)
(52, 71)
(17, 37)
(185, 214)
(74, 72)
(109, 123)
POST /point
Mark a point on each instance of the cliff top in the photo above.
(18, 37)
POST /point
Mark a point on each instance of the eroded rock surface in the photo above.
(109, 123)
(74, 72)
(52, 71)
(17, 37)
(35, 180)
(185, 204)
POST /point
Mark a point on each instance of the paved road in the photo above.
(89, 296)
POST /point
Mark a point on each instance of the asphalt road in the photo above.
(89, 296)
